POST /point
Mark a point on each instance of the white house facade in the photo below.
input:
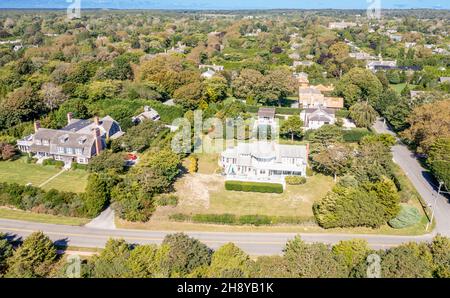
(263, 161)
(314, 118)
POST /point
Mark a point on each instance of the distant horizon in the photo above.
(225, 5)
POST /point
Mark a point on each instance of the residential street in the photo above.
(252, 243)
(422, 180)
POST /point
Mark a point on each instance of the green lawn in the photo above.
(19, 171)
(205, 193)
(294, 201)
(44, 218)
(399, 87)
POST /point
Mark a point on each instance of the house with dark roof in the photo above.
(316, 117)
(78, 141)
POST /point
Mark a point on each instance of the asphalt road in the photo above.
(252, 243)
(422, 180)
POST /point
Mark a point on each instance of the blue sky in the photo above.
(224, 4)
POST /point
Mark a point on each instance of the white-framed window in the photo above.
(60, 149)
(78, 151)
(45, 142)
(69, 150)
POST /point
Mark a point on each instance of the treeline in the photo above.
(55, 202)
(182, 256)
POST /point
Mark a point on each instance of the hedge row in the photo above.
(278, 110)
(232, 219)
(295, 180)
(34, 199)
(254, 187)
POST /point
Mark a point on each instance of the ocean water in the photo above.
(226, 4)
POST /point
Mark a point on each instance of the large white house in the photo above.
(314, 118)
(264, 161)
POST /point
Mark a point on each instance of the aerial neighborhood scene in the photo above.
(224, 142)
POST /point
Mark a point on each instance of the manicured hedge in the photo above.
(355, 135)
(254, 187)
(231, 219)
(215, 218)
(295, 180)
(407, 217)
(278, 110)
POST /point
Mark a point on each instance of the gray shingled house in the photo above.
(77, 142)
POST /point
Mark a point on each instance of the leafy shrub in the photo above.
(407, 217)
(51, 162)
(167, 200)
(254, 187)
(193, 164)
(78, 166)
(295, 180)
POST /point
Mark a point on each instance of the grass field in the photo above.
(206, 194)
(44, 218)
(19, 171)
(399, 87)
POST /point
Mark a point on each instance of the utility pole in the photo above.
(433, 208)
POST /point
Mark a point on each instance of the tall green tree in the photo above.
(34, 258)
(311, 260)
(229, 261)
(439, 160)
(363, 114)
(293, 126)
(359, 85)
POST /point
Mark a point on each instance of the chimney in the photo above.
(98, 141)
(69, 117)
(37, 125)
(97, 121)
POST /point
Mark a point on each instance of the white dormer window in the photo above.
(38, 142)
(45, 142)
(82, 140)
(64, 138)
